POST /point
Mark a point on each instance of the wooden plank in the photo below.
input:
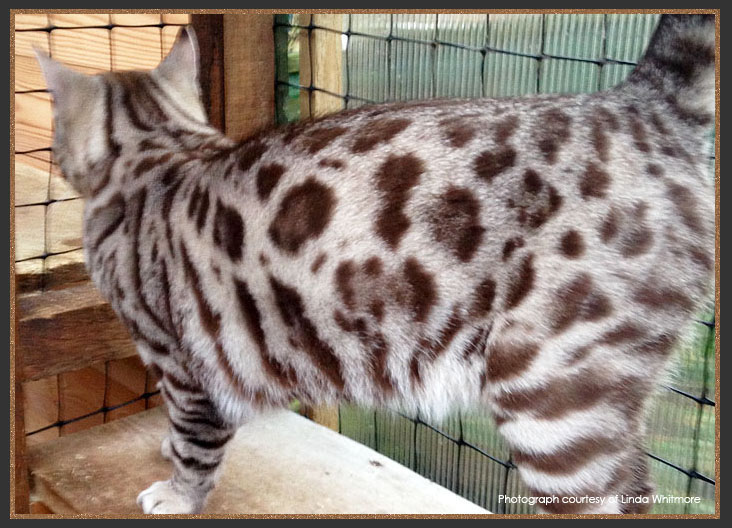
(68, 20)
(21, 492)
(277, 463)
(67, 329)
(33, 117)
(29, 275)
(28, 74)
(30, 232)
(64, 270)
(81, 392)
(31, 21)
(321, 57)
(32, 176)
(176, 18)
(135, 48)
(209, 32)
(249, 74)
(85, 50)
(64, 225)
(135, 19)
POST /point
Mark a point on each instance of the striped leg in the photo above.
(195, 445)
(573, 423)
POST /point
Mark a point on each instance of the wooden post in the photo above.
(237, 71)
(321, 58)
(321, 65)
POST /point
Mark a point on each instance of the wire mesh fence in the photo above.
(371, 58)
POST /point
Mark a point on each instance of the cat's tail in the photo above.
(679, 66)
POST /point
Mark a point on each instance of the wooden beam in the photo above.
(209, 31)
(321, 57)
(237, 71)
(68, 329)
(249, 73)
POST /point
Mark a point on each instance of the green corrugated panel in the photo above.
(377, 25)
(368, 71)
(672, 428)
(507, 75)
(628, 36)
(576, 36)
(705, 491)
(419, 27)
(437, 456)
(515, 487)
(566, 76)
(395, 437)
(466, 30)
(411, 71)
(517, 33)
(669, 482)
(457, 72)
(357, 423)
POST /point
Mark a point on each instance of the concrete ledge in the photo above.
(280, 463)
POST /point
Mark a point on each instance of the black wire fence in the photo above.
(385, 57)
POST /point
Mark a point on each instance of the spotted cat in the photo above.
(536, 256)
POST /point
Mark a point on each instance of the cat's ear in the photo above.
(181, 67)
(63, 83)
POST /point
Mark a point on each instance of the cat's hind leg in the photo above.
(572, 414)
(196, 444)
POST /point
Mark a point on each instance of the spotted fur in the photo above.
(538, 257)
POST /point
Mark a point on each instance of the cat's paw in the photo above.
(162, 498)
(165, 449)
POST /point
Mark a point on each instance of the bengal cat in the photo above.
(537, 256)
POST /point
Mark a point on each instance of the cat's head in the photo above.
(95, 116)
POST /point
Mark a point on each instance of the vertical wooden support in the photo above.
(237, 71)
(321, 57)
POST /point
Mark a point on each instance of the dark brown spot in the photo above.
(304, 213)
(381, 131)
(395, 178)
(661, 297)
(654, 170)
(457, 131)
(331, 163)
(268, 176)
(686, 205)
(228, 231)
(202, 211)
(373, 266)
(600, 123)
(343, 276)
(572, 245)
(638, 131)
(609, 226)
(149, 163)
(509, 359)
(522, 282)
(490, 164)
(553, 131)
(624, 333)
(423, 295)
(315, 140)
(456, 224)
(318, 263)
(484, 296)
(638, 238)
(505, 128)
(304, 334)
(594, 182)
(511, 245)
(250, 154)
(263, 259)
(579, 300)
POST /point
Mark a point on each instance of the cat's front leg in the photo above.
(196, 444)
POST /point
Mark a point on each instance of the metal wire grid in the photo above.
(148, 396)
(363, 425)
